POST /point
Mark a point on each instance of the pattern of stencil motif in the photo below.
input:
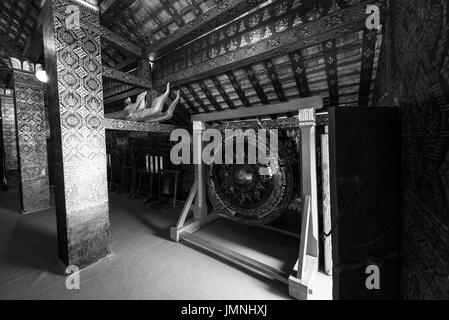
(248, 31)
(206, 54)
(31, 141)
(9, 132)
(420, 82)
(78, 123)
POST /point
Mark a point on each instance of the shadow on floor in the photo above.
(33, 246)
(158, 222)
(10, 200)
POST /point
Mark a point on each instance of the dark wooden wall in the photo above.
(419, 83)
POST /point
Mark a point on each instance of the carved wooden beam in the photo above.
(238, 89)
(280, 37)
(127, 78)
(366, 74)
(223, 12)
(322, 119)
(299, 71)
(330, 57)
(123, 125)
(121, 42)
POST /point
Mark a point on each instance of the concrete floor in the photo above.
(144, 263)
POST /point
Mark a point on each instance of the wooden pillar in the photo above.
(143, 65)
(9, 139)
(73, 64)
(31, 140)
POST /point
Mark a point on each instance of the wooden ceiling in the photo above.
(229, 53)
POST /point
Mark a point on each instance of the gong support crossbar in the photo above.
(301, 281)
(315, 102)
(234, 257)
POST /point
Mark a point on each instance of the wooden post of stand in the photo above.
(327, 225)
(201, 216)
(301, 281)
(200, 208)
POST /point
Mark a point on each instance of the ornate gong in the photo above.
(241, 193)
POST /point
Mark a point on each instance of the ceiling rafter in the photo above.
(8, 14)
(299, 71)
(235, 84)
(188, 102)
(273, 75)
(151, 16)
(209, 95)
(251, 74)
(165, 24)
(366, 75)
(173, 12)
(196, 97)
(222, 92)
(330, 57)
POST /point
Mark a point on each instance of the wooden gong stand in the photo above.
(301, 280)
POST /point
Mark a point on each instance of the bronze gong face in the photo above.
(241, 193)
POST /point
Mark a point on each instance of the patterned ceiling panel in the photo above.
(165, 25)
(149, 22)
(257, 82)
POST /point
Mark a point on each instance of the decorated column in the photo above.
(31, 138)
(9, 143)
(73, 63)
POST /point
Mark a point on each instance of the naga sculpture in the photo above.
(139, 111)
(138, 105)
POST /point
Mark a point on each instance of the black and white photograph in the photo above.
(224, 155)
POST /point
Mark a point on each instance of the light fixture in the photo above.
(41, 75)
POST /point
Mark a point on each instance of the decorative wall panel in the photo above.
(31, 141)
(419, 82)
(123, 125)
(73, 61)
(9, 132)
